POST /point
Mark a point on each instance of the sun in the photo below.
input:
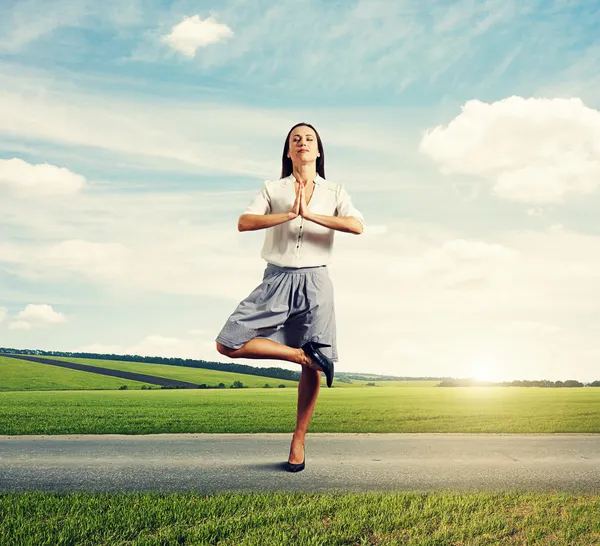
(486, 368)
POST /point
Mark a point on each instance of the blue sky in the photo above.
(468, 133)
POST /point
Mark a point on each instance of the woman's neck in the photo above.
(306, 172)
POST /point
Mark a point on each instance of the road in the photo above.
(211, 463)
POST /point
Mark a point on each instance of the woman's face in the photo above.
(304, 147)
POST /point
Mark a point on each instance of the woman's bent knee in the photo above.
(223, 349)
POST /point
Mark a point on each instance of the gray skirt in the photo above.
(292, 305)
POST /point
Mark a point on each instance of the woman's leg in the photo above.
(308, 387)
(308, 390)
(262, 348)
(265, 348)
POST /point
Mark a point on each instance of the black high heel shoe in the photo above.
(291, 467)
(312, 350)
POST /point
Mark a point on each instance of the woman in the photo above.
(290, 315)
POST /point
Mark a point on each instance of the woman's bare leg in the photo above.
(308, 387)
(265, 348)
(308, 390)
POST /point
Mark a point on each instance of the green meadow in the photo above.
(214, 377)
(17, 375)
(44, 399)
(23, 375)
(368, 409)
(181, 373)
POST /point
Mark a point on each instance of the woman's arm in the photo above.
(252, 222)
(349, 224)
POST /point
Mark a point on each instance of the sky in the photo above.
(133, 135)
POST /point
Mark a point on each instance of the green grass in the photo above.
(214, 377)
(416, 383)
(408, 518)
(181, 373)
(383, 409)
(23, 375)
(26, 375)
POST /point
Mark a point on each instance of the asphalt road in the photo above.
(334, 462)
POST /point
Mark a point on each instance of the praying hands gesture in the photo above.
(300, 207)
(348, 224)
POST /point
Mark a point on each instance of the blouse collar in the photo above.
(318, 179)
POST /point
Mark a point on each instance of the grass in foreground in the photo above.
(381, 409)
(408, 518)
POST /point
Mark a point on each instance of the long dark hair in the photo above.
(287, 167)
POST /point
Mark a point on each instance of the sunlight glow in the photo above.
(486, 368)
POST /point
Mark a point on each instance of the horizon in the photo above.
(4, 350)
(468, 134)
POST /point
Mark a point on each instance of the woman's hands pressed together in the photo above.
(303, 203)
(300, 206)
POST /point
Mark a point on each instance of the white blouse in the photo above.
(299, 242)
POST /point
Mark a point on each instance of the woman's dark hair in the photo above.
(287, 166)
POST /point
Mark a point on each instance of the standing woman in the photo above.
(290, 315)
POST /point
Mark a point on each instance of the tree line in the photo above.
(517, 383)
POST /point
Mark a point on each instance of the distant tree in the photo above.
(371, 385)
(282, 386)
(221, 386)
(123, 387)
(203, 386)
(267, 386)
(237, 385)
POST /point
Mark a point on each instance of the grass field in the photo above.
(411, 518)
(20, 375)
(45, 374)
(213, 377)
(408, 518)
(181, 373)
(382, 409)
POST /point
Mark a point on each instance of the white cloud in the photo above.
(20, 325)
(93, 260)
(183, 135)
(3, 314)
(25, 179)
(67, 259)
(41, 314)
(533, 150)
(458, 262)
(35, 315)
(193, 32)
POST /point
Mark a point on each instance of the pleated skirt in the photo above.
(291, 306)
